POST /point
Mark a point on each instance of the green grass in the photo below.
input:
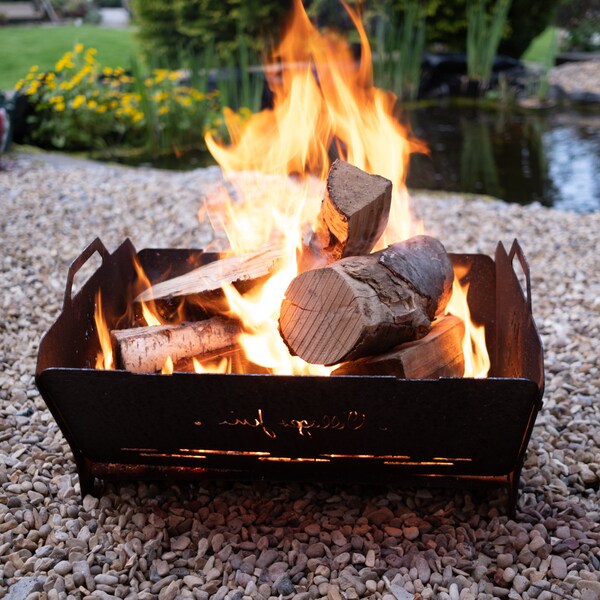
(24, 46)
(541, 47)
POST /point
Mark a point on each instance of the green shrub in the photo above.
(447, 23)
(168, 28)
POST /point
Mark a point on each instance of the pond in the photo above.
(547, 156)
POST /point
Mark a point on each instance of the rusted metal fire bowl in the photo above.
(443, 432)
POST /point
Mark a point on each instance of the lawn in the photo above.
(42, 45)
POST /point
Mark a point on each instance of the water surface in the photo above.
(548, 156)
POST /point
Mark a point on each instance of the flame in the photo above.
(477, 360)
(222, 365)
(104, 358)
(322, 99)
(149, 312)
(167, 368)
(274, 170)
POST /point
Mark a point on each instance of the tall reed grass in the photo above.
(484, 33)
(399, 45)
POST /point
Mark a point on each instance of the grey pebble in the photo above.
(146, 540)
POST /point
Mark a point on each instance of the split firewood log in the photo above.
(353, 215)
(209, 278)
(145, 349)
(365, 305)
(438, 354)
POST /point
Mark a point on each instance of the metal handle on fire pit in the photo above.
(95, 246)
(517, 251)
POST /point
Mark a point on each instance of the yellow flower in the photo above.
(66, 85)
(107, 71)
(101, 108)
(173, 75)
(163, 110)
(160, 96)
(78, 101)
(138, 117)
(33, 69)
(78, 48)
(50, 77)
(65, 62)
(92, 104)
(19, 84)
(56, 100)
(34, 86)
(59, 107)
(185, 101)
(160, 74)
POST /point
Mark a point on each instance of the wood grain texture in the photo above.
(364, 305)
(438, 354)
(145, 349)
(353, 215)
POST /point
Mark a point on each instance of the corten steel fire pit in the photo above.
(451, 431)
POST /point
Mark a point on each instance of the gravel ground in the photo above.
(578, 77)
(235, 541)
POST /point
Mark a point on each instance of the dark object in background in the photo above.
(445, 75)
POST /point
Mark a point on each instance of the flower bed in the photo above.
(83, 106)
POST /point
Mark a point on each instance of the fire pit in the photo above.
(438, 432)
(317, 273)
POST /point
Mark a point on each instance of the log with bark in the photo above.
(364, 305)
(145, 349)
(438, 354)
(353, 216)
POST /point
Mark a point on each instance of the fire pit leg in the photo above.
(513, 492)
(87, 481)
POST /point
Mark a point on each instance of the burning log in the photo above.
(145, 349)
(354, 213)
(365, 305)
(352, 218)
(438, 354)
(210, 278)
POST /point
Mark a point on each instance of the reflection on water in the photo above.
(552, 157)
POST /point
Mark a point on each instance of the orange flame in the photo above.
(167, 368)
(149, 312)
(275, 167)
(322, 98)
(104, 358)
(222, 365)
(477, 360)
